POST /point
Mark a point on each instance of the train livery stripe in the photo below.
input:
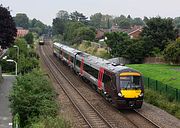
(130, 74)
(82, 66)
(100, 77)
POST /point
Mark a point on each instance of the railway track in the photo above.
(138, 119)
(90, 115)
(134, 117)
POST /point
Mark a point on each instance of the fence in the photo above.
(170, 92)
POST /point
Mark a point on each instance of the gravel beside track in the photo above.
(159, 116)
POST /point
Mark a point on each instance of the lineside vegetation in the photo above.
(32, 99)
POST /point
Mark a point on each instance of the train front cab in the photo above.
(130, 90)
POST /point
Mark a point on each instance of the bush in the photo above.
(172, 52)
(32, 96)
(162, 102)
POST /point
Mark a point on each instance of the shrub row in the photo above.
(162, 102)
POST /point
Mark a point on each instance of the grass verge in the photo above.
(167, 74)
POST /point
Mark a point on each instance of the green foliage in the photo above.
(70, 30)
(76, 16)
(58, 26)
(176, 22)
(29, 38)
(121, 45)
(21, 20)
(126, 22)
(137, 21)
(135, 51)
(162, 102)
(167, 74)
(158, 31)
(96, 20)
(50, 122)
(84, 33)
(172, 52)
(63, 15)
(7, 28)
(28, 59)
(117, 42)
(32, 96)
(38, 27)
(93, 50)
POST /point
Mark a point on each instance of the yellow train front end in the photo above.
(130, 90)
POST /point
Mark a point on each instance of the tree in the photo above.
(76, 16)
(7, 28)
(70, 27)
(172, 52)
(106, 21)
(84, 33)
(176, 22)
(135, 51)
(159, 31)
(118, 43)
(29, 38)
(22, 20)
(63, 15)
(138, 21)
(58, 26)
(123, 22)
(96, 20)
(38, 27)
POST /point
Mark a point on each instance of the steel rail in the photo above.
(156, 125)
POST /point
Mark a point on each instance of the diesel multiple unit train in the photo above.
(120, 85)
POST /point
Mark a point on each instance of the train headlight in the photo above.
(120, 95)
(142, 94)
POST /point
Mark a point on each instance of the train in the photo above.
(120, 85)
(41, 42)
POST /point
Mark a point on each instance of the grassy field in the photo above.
(167, 74)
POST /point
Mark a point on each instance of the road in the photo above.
(5, 114)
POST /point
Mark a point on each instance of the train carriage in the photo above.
(121, 85)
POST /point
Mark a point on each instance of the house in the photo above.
(21, 32)
(100, 33)
(135, 33)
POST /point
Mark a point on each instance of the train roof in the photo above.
(67, 48)
(94, 61)
(100, 62)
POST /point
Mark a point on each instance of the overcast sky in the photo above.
(45, 10)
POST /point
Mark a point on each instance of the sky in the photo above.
(46, 10)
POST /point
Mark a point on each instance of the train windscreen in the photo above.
(130, 82)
